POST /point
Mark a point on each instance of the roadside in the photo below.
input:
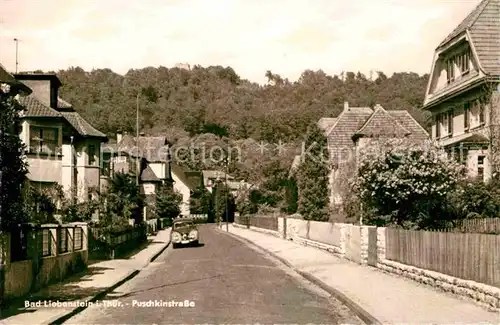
(374, 296)
(60, 301)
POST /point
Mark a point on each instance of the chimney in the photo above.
(346, 106)
(44, 85)
(119, 136)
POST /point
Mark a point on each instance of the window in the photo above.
(464, 62)
(481, 113)
(92, 153)
(450, 122)
(438, 125)
(465, 156)
(450, 70)
(466, 116)
(43, 140)
(480, 166)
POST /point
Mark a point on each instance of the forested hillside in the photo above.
(191, 104)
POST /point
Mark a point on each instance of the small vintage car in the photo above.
(184, 232)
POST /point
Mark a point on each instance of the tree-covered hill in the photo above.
(213, 106)
(182, 103)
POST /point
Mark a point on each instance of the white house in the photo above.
(62, 147)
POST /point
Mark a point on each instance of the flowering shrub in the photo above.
(406, 183)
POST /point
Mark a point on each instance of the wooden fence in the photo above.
(485, 226)
(469, 256)
(266, 222)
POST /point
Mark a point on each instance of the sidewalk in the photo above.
(386, 298)
(101, 278)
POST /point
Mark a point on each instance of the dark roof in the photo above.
(347, 124)
(7, 78)
(82, 126)
(148, 175)
(380, 123)
(483, 24)
(153, 149)
(192, 179)
(362, 121)
(35, 108)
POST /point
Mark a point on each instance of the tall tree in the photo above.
(312, 176)
(13, 169)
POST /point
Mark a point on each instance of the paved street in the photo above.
(228, 282)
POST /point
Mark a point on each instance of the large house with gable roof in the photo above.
(61, 146)
(149, 156)
(463, 93)
(354, 128)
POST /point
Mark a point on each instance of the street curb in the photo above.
(61, 319)
(152, 259)
(359, 311)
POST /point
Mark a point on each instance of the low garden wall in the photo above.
(40, 255)
(465, 264)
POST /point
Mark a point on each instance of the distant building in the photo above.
(183, 66)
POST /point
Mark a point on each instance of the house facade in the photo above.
(463, 93)
(185, 183)
(61, 147)
(150, 157)
(354, 128)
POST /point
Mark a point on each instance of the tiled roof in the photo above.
(35, 108)
(191, 179)
(82, 126)
(153, 149)
(326, 123)
(347, 124)
(483, 23)
(380, 123)
(405, 119)
(362, 121)
(148, 175)
(62, 104)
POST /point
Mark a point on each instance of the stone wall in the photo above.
(338, 239)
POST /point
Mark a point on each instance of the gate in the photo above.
(372, 247)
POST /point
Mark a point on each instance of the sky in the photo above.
(252, 36)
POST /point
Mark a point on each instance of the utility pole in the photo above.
(227, 190)
(17, 62)
(137, 166)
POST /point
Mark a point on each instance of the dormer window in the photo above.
(464, 62)
(450, 70)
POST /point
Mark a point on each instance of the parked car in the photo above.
(184, 232)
